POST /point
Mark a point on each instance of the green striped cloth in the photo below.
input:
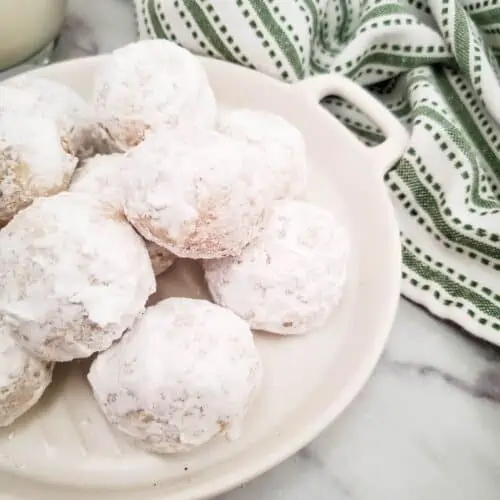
(434, 64)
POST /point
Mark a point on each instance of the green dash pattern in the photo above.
(434, 64)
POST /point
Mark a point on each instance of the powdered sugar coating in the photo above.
(187, 371)
(290, 278)
(74, 117)
(32, 161)
(196, 192)
(23, 379)
(282, 144)
(101, 177)
(150, 84)
(74, 277)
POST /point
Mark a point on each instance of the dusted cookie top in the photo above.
(150, 84)
(23, 379)
(281, 143)
(290, 278)
(102, 178)
(74, 117)
(33, 162)
(74, 277)
(198, 193)
(187, 371)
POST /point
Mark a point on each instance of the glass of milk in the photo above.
(28, 29)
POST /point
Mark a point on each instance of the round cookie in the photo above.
(196, 192)
(101, 178)
(150, 84)
(281, 143)
(80, 134)
(32, 162)
(186, 372)
(290, 278)
(74, 277)
(23, 379)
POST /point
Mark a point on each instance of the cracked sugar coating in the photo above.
(75, 119)
(186, 372)
(290, 278)
(101, 177)
(74, 277)
(32, 161)
(23, 379)
(282, 144)
(150, 84)
(196, 192)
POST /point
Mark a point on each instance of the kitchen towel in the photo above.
(434, 64)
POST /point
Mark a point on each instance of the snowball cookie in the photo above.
(74, 277)
(282, 145)
(101, 177)
(148, 84)
(196, 192)
(32, 162)
(80, 134)
(289, 279)
(23, 379)
(187, 371)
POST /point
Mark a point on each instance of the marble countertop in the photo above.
(427, 425)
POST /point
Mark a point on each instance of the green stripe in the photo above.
(383, 10)
(281, 38)
(475, 135)
(401, 62)
(208, 31)
(157, 25)
(316, 67)
(462, 39)
(417, 79)
(314, 14)
(400, 109)
(365, 134)
(454, 133)
(486, 17)
(429, 205)
(451, 286)
(344, 22)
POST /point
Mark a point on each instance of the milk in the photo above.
(26, 27)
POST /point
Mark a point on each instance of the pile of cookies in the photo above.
(97, 199)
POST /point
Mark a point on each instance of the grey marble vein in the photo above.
(487, 385)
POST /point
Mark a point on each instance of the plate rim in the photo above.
(229, 479)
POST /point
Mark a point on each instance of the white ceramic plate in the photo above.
(64, 448)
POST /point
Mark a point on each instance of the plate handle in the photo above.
(384, 155)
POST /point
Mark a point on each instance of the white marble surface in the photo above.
(427, 425)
